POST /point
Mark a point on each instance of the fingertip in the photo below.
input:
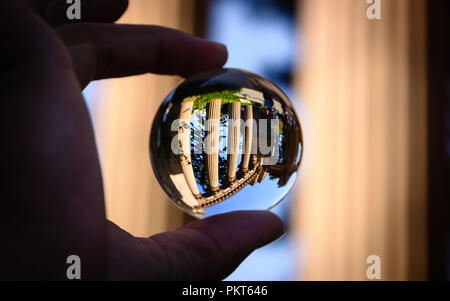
(277, 221)
(218, 50)
(210, 55)
(271, 222)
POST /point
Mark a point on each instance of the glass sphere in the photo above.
(226, 140)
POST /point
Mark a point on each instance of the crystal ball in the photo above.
(226, 140)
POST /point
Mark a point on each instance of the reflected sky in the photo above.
(251, 196)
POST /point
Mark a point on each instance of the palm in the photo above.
(59, 209)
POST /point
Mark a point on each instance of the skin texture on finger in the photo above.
(102, 11)
(52, 196)
(111, 50)
(208, 249)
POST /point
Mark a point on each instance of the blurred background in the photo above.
(372, 96)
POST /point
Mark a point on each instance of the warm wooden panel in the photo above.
(123, 110)
(363, 83)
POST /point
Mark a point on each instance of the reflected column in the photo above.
(212, 145)
(234, 113)
(248, 136)
(184, 135)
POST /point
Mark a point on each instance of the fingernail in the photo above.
(281, 226)
(214, 53)
(221, 46)
(216, 46)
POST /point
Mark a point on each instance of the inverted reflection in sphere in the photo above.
(226, 140)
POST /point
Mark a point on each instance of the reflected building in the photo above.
(219, 129)
(251, 170)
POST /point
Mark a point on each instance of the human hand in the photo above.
(52, 196)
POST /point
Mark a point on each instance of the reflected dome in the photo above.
(226, 140)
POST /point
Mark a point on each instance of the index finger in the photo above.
(110, 50)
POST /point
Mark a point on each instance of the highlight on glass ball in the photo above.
(226, 140)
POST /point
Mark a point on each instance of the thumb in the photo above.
(211, 249)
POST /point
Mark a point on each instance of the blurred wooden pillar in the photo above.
(123, 110)
(363, 83)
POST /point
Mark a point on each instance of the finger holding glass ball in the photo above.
(226, 140)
